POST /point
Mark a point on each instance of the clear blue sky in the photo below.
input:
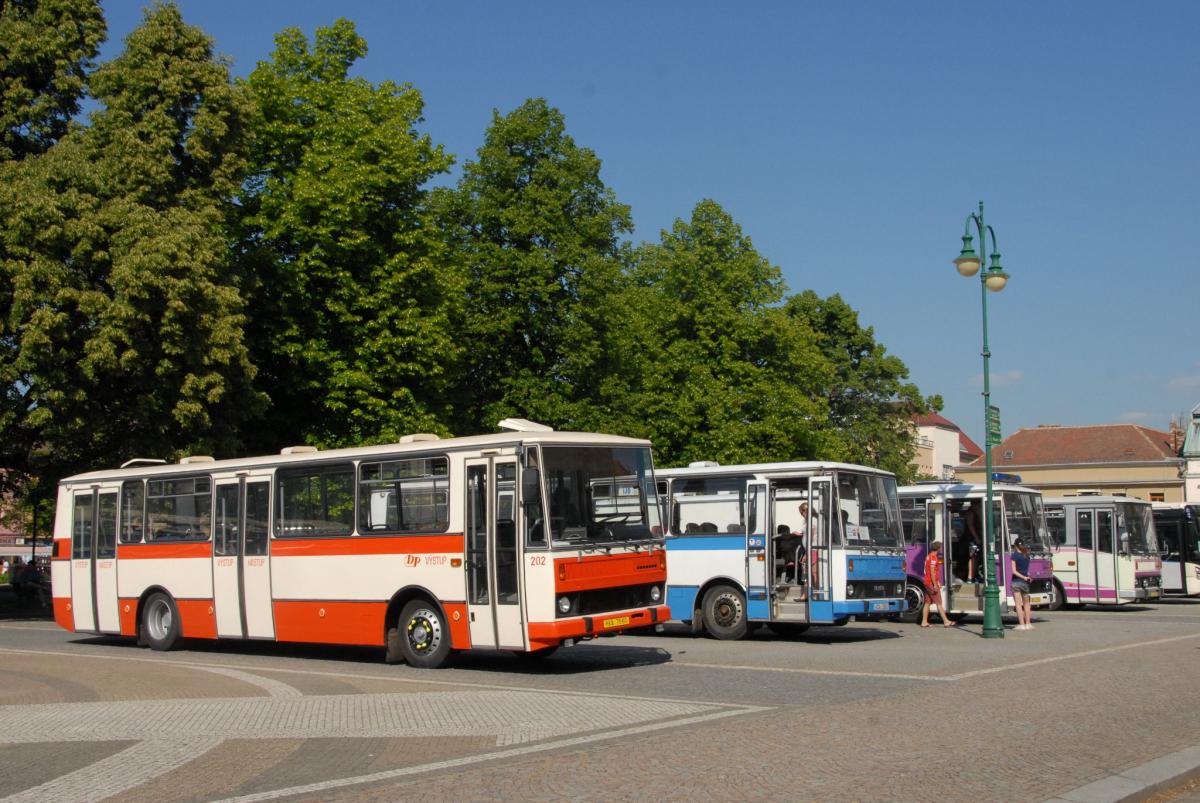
(850, 141)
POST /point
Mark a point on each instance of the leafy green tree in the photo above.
(871, 406)
(351, 297)
(125, 323)
(535, 231)
(713, 368)
(46, 50)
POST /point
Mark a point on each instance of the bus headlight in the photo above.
(849, 589)
(564, 604)
(655, 594)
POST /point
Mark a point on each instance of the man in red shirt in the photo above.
(933, 586)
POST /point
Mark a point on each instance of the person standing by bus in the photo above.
(1020, 584)
(933, 586)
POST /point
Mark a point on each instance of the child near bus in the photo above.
(1020, 584)
(933, 586)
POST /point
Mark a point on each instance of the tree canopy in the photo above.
(351, 299)
(47, 48)
(232, 266)
(124, 321)
(534, 231)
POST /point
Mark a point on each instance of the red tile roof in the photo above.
(1105, 443)
(967, 448)
(934, 420)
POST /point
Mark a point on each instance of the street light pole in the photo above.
(994, 279)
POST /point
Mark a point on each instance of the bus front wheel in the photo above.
(160, 622)
(424, 636)
(914, 595)
(724, 612)
(1060, 598)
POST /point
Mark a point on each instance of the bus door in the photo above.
(241, 564)
(493, 563)
(756, 517)
(94, 560)
(965, 532)
(820, 563)
(1107, 574)
(1085, 528)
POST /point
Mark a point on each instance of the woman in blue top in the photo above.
(1020, 584)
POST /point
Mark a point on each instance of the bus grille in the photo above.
(603, 600)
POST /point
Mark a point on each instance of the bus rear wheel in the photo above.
(424, 636)
(724, 612)
(160, 622)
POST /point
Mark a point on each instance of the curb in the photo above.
(1138, 783)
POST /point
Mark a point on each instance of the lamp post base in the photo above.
(993, 625)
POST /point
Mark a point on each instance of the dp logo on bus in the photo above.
(411, 560)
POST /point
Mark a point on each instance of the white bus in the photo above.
(952, 513)
(1177, 527)
(743, 553)
(423, 547)
(1105, 550)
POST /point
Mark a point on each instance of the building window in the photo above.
(1157, 497)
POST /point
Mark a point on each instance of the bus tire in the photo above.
(160, 622)
(424, 635)
(1060, 598)
(724, 612)
(914, 595)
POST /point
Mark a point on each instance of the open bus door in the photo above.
(759, 563)
(820, 561)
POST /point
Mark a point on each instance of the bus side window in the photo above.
(1104, 530)
(1084, 525)
(1060, 535)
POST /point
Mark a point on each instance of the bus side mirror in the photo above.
(531, 486)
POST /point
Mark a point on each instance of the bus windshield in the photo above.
(600, 495)
(1135, 530)
(869, 512)
(1025, 519)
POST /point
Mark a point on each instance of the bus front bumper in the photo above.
(869, 607)
(550, 634)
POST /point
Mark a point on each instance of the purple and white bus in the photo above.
(952, 513)
(1105, 550)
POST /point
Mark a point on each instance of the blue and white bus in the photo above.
(739, 555)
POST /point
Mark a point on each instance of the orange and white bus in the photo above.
(423, 547)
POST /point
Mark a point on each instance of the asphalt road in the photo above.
(876, 711)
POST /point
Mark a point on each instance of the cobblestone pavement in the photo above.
(872, 711)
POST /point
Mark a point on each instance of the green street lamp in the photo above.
(994, 279)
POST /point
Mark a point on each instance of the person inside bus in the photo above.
(789, 551)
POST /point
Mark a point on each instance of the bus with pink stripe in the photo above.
(952, 513)
(1105, 550)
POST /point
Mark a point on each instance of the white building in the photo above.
(941, 446)
(1191, 454)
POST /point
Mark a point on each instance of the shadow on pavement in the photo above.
(816, 634)
(568, 660)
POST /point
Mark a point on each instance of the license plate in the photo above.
(879, 606)
(616, 622)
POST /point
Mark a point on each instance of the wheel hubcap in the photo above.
(726, 612)
(424, 631)
(159, 620)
